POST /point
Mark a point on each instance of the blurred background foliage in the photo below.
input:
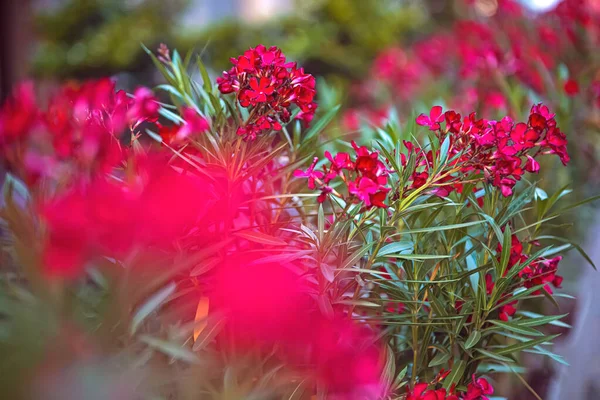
(335, 38)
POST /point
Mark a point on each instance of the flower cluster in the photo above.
(420, 392)
(110, 218)
(502, 150)
(541, 271)
(79, 130)
(480, 56)
(267, 84)
(476, 390)
(366, 177)
(269, 304)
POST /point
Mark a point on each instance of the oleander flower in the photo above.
(266, 83)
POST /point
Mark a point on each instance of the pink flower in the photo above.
(145, 106)
(109, 218)
(363, 188)
(310, 173)
(366, 177)
(194, 124)
(433, 120)
(268, 307)
(532, 165)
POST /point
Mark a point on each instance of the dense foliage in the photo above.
(203, 248)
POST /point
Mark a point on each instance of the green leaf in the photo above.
(525, 345)
(153, 304)
(493, 224)
(540, 194)
(439, 359)
(321, 223)
(419, 256)
(538, 319)
(154, 136)
(444, 150)
(400, 376)
(473, 339)
(320, 124)
(506, 249)
(396, 247)
(547, 353)
(171, 349)
(206, 82)
(259, 237)
(575, 245)
(171, 116)
(517, 328)
(13, 184)
(495, 356)
(575, 205)
(456, 374)
(327, 271)
(472, 266)
(209, 333)
(357, 255)
(439, 228)
(281, 258)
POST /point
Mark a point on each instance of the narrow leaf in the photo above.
(473, 339)
(153, 303)
(259, 237)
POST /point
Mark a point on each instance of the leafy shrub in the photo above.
(174, 250)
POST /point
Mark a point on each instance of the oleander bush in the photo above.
(214, 244)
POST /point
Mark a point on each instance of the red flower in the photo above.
(109, 218)
(395, 307)
(571, 87)
(542, 271)
(310, 173)
(145, 106)
(325, 191)
(363, 188)
(340, 161)
(502, 150)
(194, 124)
(260, 89)
(18, 114)
(532, 165)
(489, 284)
(78, 134)
(269, 307)
(507, 310)
(478, 389)
(420, 392)
(377, 199)
(265, 82)
(400, 70)
(351, 120)
(366, 177)
(433, 120)
(417, 391)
